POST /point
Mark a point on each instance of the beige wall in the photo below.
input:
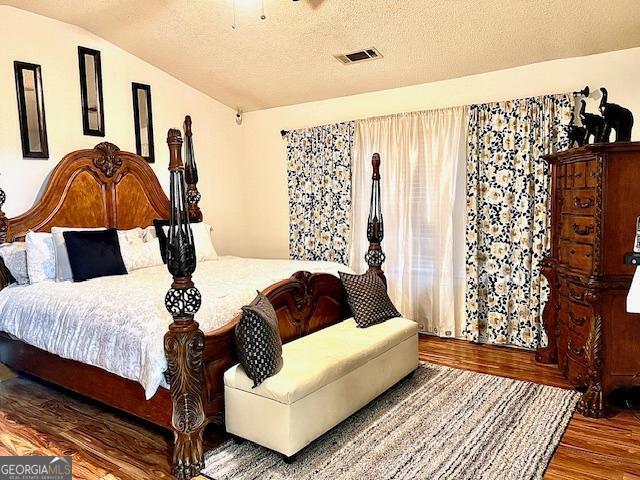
(53, 45)
(242, 169)
(264, 164)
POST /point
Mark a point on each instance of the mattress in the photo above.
(118, 323)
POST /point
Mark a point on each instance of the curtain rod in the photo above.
(285, 132)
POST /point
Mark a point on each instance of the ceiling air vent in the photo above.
(359, 56)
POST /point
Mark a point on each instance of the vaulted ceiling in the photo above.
(288, 57)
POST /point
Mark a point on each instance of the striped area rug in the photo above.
(442, 423)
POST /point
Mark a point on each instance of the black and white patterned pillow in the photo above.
(368, 299)
(258, 341)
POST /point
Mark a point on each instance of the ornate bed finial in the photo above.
(184, 342)
(375, 226)
(107, 159)
(191, 174)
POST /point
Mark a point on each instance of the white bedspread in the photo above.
(118, 323)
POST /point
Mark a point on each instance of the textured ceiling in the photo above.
(288, 58)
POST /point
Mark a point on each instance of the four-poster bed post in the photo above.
(375, 225)
(184, 342)
(4, 228)
(191, 174)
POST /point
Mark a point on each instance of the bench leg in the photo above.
(291, 459)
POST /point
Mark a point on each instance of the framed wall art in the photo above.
(143, 121)
(33, 125)
(91, 91)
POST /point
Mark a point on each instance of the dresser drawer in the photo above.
(578, 228)
(577, 373)
(573, 291)
(576, 255)
(561, 176)
(577, 317)
(581, 202)
(577, 348)
(572, 354)
(591, 173)
(568, 175)
(579, 175)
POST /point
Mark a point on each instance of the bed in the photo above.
(109, 344)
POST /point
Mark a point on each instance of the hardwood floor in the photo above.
(39, 420)
(590, 449)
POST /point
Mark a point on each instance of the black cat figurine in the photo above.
(592, 123)
(615, 117)
(576, 133)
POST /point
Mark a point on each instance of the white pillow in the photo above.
(201, 240)
(149, 233)
(14, 256)
(63, 268)
(137, 256)
(135, 236)
(41, 257)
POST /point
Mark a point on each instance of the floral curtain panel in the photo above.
(507, 234)
(319, 184)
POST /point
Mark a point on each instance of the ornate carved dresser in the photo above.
(595, 202)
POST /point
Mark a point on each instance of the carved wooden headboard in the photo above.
(101, 187)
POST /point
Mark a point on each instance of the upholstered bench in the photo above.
(325, 378)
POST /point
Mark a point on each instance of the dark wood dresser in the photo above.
(595, 202)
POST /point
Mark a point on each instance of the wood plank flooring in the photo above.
(590, 449)
(40, 420)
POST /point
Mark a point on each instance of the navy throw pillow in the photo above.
(94, 254)
(162, 236)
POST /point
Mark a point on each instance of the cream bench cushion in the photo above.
(318, 359)
(326, 377)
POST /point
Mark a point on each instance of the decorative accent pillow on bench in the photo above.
(258, 341)
(367, 296)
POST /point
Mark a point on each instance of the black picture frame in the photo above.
(91, 93)
(24, 107)
(136, 89)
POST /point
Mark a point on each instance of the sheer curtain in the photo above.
(423, 203)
